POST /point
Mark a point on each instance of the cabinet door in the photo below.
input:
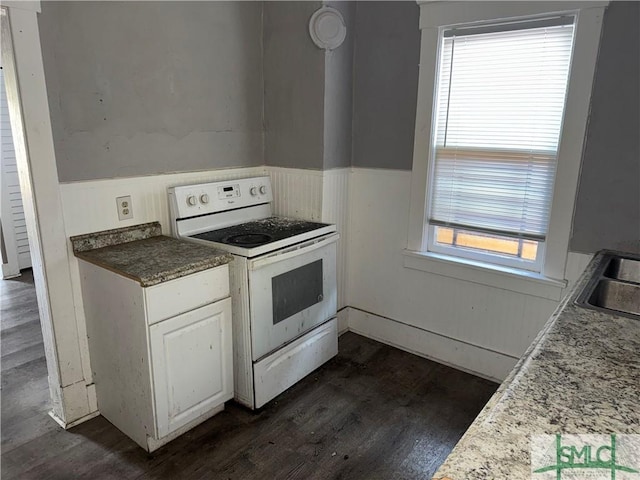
(192, 364)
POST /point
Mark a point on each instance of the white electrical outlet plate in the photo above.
(125, 209)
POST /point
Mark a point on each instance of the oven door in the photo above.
(291, 291)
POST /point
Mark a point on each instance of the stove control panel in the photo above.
(228, 191)
(193, 200)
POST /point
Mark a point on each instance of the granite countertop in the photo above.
(580, 376)
(143, 254)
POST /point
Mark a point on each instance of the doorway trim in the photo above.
(13, 236)
(37, 171)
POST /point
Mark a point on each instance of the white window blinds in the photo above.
(500, 103)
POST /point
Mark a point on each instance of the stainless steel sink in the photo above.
(623, 269)
(619, 296)
(614, 286)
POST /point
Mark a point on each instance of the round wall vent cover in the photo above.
(327, 28)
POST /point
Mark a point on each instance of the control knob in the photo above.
(204, 198)
(263, 189)
(192, 200)
(253, 191)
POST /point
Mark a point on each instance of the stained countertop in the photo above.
(580, 375)
(143, 254)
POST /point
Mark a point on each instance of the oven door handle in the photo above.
(293, 252)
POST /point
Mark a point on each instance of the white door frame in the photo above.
(35, 159)
(13, 260)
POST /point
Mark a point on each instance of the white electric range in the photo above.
(283, 281)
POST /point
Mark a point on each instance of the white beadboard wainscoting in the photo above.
(479, 328)
(90, 206)
(335, 209)
(321, 196)
(474, 327)
(297, 193)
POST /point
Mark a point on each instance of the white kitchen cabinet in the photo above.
(161, 356)
(192, 370)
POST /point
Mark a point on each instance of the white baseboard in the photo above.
(343, 320)
(78, 421)
(463, 356)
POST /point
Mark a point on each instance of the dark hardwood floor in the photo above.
(373, 412)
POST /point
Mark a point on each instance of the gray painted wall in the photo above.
(140, 88)
(338, 94)
(293, 87)
(387, 52)
(607, 213)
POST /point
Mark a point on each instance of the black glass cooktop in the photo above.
(260, 232)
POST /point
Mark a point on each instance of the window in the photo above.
(503, 101)
(499, 106)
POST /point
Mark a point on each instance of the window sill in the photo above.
(512, 279)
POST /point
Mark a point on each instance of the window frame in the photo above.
(476, 254)
(480, 256)
(437, 16)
